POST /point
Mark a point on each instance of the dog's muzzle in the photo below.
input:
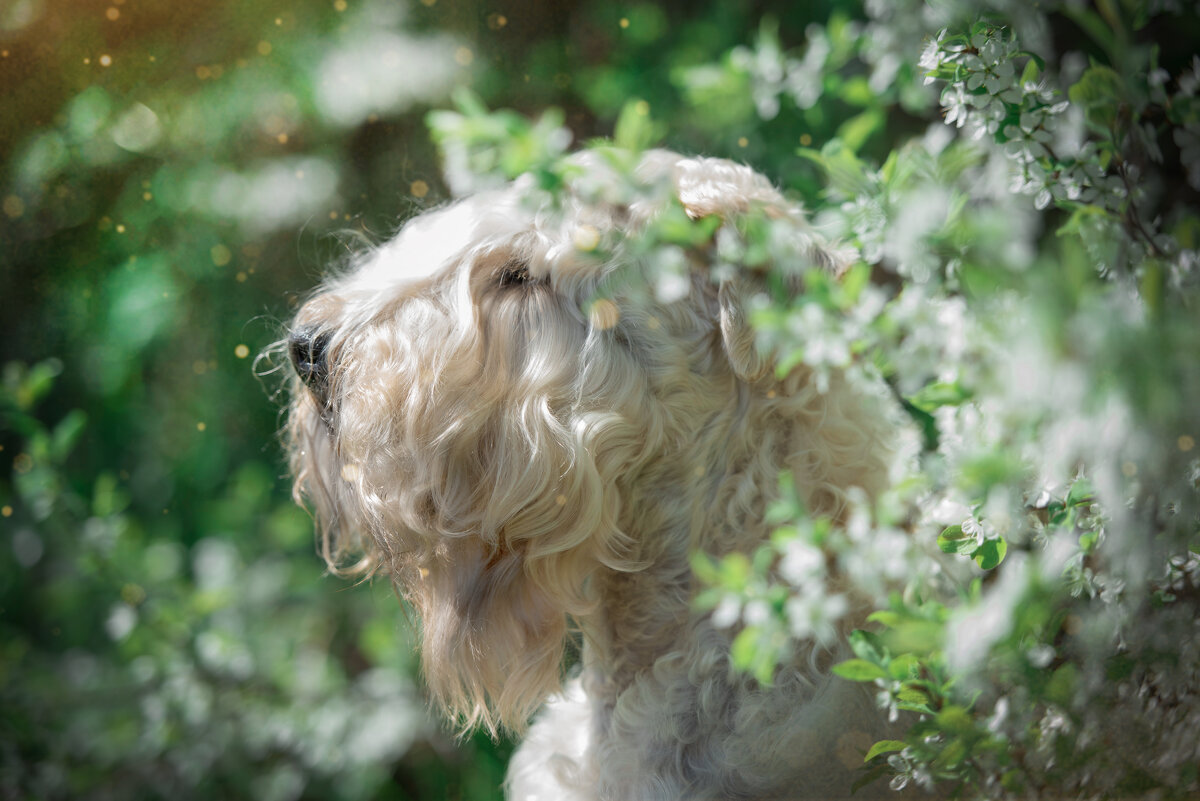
(307, 348)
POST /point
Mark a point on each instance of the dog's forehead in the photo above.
(438, 240)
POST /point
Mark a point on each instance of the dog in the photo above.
(501, 411)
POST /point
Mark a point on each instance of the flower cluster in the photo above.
(1026, 116)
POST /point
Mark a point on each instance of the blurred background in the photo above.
(174, 177)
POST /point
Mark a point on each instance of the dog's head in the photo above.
(476, 398)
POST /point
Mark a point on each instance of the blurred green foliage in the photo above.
(176, 176)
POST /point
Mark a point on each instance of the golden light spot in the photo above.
(264, 48)
(14, 207)
(464, 56)
(200, 426)
(120, 228)
(241, 277)
(642, 107)
(1185, 443)
(282, 138)
(423, 572)
(770, 393)
(300, 175)
(279, 20)
(23, 463)
(586, 238)
(113, 13)
(652, 323)
(496, 21)
(166, 511)
(153, 59)
(805, 140)
(221, 255)
(1129, 469)
(624, 22)
(241, 351)
(561, 500)
(199, 367)
(372, 118)
(5, 511)
(699, 471)
(147, 196)
(87, 61)
(333, 215)
(339, 5)
(604, 314)
(133, 594)
(203, 72)
(3, 54)
(419, 188)
(743, 141)
(105, 60)
(351, 472)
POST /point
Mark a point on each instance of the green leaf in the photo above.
(859, 670)
(884, 747)
(1031, 72)
(886, 617)
(635, 130)
(745, 647)
(954, 540)
(855, 131)
(66, 433)
(990, 553)
(938, 394)
(911, 695)
(1098, 92)
(904, 666)
(1081, 492)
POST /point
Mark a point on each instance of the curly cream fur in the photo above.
(518, 466)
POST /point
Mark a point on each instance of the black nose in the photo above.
(307, 348)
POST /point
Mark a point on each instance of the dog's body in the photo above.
(518, 455)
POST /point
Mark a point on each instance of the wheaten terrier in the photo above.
(504, 410)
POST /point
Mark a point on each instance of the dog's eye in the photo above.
(515, 274)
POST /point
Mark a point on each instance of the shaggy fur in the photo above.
(522, 459)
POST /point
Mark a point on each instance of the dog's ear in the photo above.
(731, 191)
(520, 500)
